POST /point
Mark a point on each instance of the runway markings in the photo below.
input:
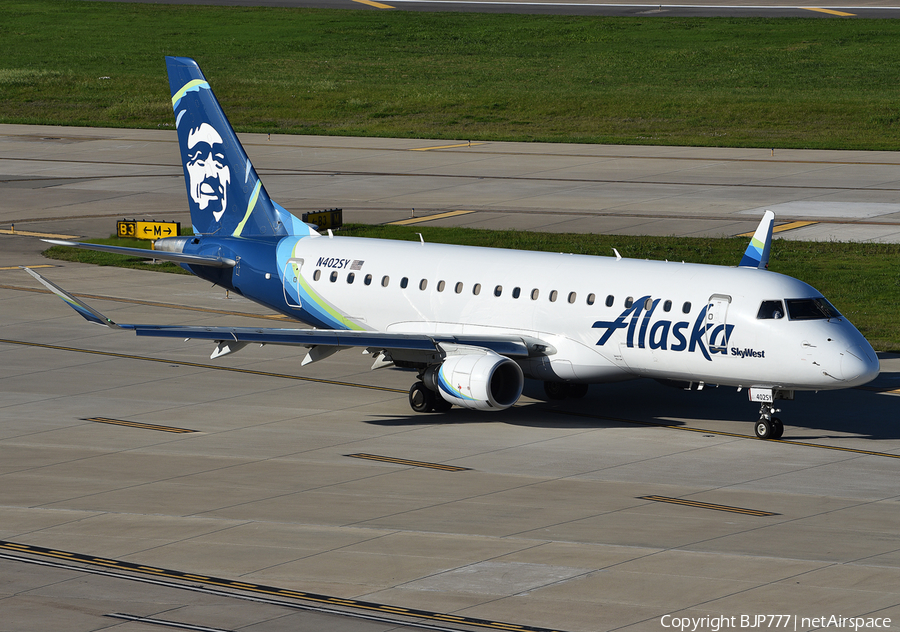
(28, 233)
(428, 218)
(702, 505)
(377, 5)
(200, 365)
(354, 604)
(831, 11)
(468, 144)
(137, 424)
(390, 459)
(42, 265)
(721, 433)
(782, 228)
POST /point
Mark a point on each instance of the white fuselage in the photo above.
(607, 318)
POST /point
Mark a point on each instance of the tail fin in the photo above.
(225, 195)
(757, 253)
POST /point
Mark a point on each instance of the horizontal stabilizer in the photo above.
(212, 261)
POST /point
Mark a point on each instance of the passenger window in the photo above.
(350, 277)
(610, 300)
(686, 308)
(333, 277)
(498, 290)
(423, 284)
(404, 282)
(476, 289)
(534, 294)
(368, 279)
(648, 304)
(459, 288)
(385, 280)
(629, 301)
(667, 306)
(441, 286)
(590, 299)
(571, 297)
(769, 310)
(317, 275)
(516, 292)
(553, 295)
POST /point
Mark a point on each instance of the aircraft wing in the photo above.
(213, 261)
(413, 347)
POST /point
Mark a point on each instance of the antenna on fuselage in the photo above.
(618, 256)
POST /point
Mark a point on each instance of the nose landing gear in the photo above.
(769, 426)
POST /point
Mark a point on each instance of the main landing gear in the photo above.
(423, 400)
(769, 426)
(563, 390)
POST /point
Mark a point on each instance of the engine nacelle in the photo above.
(481, 381)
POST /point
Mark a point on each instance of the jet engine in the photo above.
(481, 381)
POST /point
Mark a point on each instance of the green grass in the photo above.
(861, 280)
(814, 82)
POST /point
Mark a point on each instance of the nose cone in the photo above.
(859, 365)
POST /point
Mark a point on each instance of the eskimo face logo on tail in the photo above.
(665, 334)
(208, 174)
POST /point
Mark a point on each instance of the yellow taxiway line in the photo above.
(782, 228)
(377, 5)
(831, 11)
(468, 144)
(428, 218)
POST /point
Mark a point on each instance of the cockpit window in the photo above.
(810, 309)
(770, 309)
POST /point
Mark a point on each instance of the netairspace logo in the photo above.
(772, 622)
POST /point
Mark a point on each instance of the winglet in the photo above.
(88, 312)
(757, 253)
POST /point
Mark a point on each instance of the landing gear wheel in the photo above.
(577, 391)
(764, 429)
(777, 428)
(769, 426)
(556, 390)
(441, 405)
(421, 399)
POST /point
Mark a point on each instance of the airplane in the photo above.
(475, 322)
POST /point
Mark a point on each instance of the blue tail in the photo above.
(225, 195)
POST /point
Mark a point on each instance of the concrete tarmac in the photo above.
(51, 176)
(319, 487)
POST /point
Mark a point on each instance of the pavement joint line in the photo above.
(723, 433)
(200, 365)
(261, 588)
(137, 301)
(163, 622)
(397, 461)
